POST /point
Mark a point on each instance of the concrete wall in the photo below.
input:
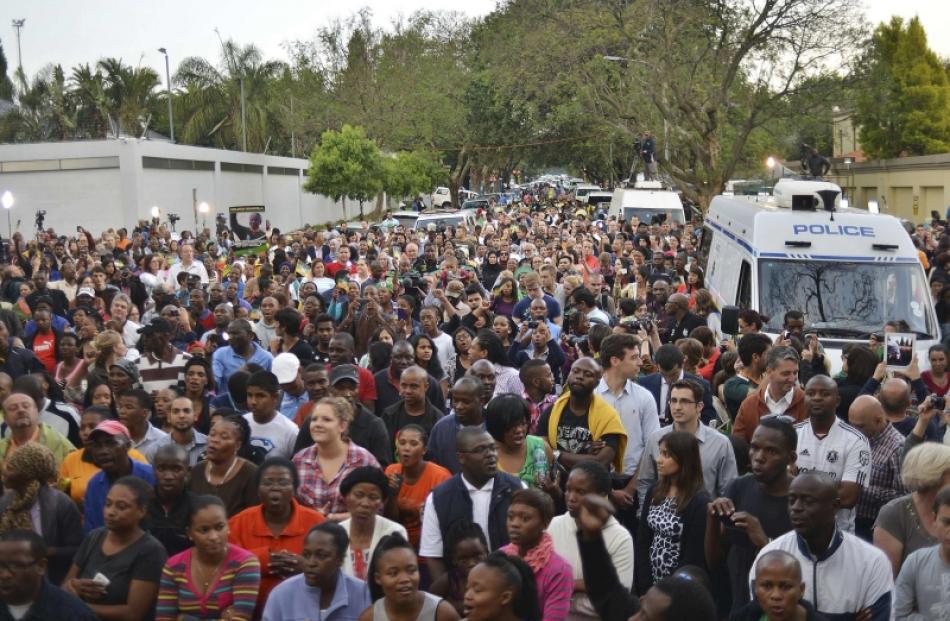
(112, 183)
(907, 187)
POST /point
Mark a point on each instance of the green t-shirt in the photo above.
(735, 390)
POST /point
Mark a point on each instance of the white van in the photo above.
(581, 191)
(647, 201)
(848, 270)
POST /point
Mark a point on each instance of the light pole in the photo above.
(168, 81)
(7, 201)
(203, 209)
(18, 24)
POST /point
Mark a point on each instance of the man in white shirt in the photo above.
(845, 577)
(119, 315)
(274, 434)
(829, 445)
(479, 494)
(187, 264)
(620, 354)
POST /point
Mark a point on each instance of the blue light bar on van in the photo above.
(798, 244)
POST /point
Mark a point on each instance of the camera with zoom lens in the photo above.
(938, 403)
(413, 281)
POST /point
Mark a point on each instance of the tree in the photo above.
(904, 107)
(346, 164)
(6, 85)
(210, 98)
(408, 174)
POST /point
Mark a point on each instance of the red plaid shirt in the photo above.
(316, 492)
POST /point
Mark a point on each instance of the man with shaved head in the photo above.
(413, 407)
(779, 591)
(829, 445)
(484, 371)
(681, 321)
(895, 399)
(468, 407)
(884, 483)
(844, 577)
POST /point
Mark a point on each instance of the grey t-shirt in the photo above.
(900, 520)
(923, 586)
(141, 560)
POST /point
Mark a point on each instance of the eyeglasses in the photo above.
(682, 402)
(485, 449)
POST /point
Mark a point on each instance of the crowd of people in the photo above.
(536, 418)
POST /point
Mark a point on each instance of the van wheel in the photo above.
(446, 205)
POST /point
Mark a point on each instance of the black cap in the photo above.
(344, 371)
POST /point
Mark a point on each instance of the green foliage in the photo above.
(407, 174)
(209, 102)
(346, 164)
(6, 85)
(904, 105)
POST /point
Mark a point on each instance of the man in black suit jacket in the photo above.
(670, 361)
(682, 322)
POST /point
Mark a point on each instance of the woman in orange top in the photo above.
(77, 467)
(411, 480)
(274, 531)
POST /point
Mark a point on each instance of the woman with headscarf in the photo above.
(27, 474)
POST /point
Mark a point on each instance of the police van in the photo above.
(848, 270)
(649, 202)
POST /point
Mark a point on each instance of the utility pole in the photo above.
(18, 24)
(168, 81)
(293, 150)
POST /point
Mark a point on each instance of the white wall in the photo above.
(124, 192)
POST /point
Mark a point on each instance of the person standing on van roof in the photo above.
(682, 321)
(648, 153)
(780, 395)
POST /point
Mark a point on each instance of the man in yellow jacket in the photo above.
(581, 426)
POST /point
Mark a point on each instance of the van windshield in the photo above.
(654, 216)
(845, 299)
(446, 221)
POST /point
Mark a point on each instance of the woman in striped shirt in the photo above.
(212, 580)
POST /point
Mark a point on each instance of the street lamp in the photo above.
(203, 209)
(168, 80)
(7, 201)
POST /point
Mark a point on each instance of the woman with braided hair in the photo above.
(31, 503)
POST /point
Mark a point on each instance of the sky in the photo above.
(72, 32)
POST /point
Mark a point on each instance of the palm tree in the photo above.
(211, 98)
(45, 109)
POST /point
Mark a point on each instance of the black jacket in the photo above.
(692, 539)
(452, 503)
(611, 599)
(53, 604)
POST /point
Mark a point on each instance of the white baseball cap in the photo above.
(285, 367)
